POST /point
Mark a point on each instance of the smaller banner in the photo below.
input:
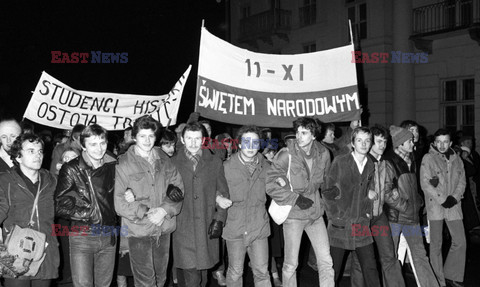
(238, 86)
(57, 105)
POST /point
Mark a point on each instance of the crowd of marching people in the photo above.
(181, 207)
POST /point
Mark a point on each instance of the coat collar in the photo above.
(181, 157)
(353, 165)
(83, 164)
(46, 179)
(435, 152)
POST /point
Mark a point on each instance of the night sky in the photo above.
(161, 38)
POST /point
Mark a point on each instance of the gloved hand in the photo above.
(215, 229)
(331, 193)
(174, 193)
(434, 181)
(449, 202)
(303, 202)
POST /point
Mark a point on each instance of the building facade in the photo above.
(420, 59)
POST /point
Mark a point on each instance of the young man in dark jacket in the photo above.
(307, 162)
(247, 228)
(84, 194)
(349, 197)
(19, 186)
(408, 221)
(384, 194)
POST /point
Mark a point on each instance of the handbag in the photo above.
(279, 213)
(27, 245)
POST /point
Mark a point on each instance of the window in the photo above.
(458, 105)
(357, 13)
(308, 13)
(246, 12)
(309, 47)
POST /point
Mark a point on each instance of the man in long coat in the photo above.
(200, 223)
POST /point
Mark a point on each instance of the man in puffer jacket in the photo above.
(408, 221)
(442, 178)
(309, 162)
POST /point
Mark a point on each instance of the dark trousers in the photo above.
(192, 278)
(149, 259)
(366, 255)
(392, 271)
(10, 282)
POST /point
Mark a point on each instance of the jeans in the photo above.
(92, 259)
(392, 271)
(317, 232)
(414, 236)
(366, 255)
(258, 254)
(192, 278)
(149, 259)
(454, 267)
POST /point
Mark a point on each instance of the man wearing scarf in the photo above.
(442, 178)
(200, 223)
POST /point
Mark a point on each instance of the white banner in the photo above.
(57, 105)
(238, 86)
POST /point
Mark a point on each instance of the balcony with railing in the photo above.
(446, 16)
(450, 17)
(265, 25)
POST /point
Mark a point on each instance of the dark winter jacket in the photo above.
(89, 190)
(347, 204)
(405, 179)
(16, 202)
(247, 218)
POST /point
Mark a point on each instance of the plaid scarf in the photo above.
(195, 158)
(251, 166)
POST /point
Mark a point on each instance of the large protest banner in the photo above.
(238, 86)
(57, 105)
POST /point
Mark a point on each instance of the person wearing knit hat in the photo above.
(399, 135)
(406, 220)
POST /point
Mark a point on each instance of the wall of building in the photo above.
(453, 56)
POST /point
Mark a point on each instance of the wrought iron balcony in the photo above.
(266, 24)
(445, 16)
